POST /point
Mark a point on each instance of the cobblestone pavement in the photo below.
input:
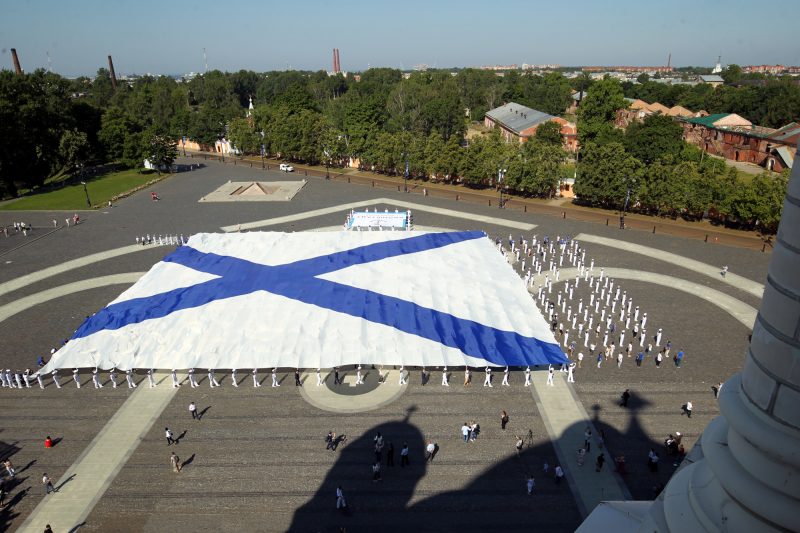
(259, 460)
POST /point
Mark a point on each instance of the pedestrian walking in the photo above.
(503, 420)
(76, 377)
(54, 373)
(96, 379)
(319, 377)
(192, 381)
(404, 455)
(559, 474)
(297, 382)
(336, 380)
(430, 451)
(519, 443)
(234, 381)
(129, 379)
(340, 501)
(275, 378)
(570, 373)
(376, 472)
(168, 434)
(625, 397)
(445, 378)
(505, 378)
(175, 461)
(359, 376)
(550, 374)
(256, 383)
(678, 358)
(390, 455)
(687, 409)
(26, 376)
(601, 460)
(530, 484)
(402, 380)
(659, 358)
(467, 376)
(150, 378)
(175, 382)
(465, 431)
(528, 376)
(193, 411)
(10, 468)
(48, 484)
(587, 439)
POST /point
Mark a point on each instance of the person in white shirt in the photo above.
(54, 373)
(26, 376)
(528, 376)
(550, 374)
(487, 382)
(193, 411)
(255, 378)
(319, 377)
(402, 376)
(192, 381)
(275, 378)
(129, 379)
(505, 378)
(151, 379)
(359, 376)
(234, 380)
(445, 381)
(175, 382)
(465, 432)
(76, 376)
(570, 374)
(212, 381)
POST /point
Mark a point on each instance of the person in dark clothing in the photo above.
(625, 397)
(503, 420)
(601, 459)
(390, 454)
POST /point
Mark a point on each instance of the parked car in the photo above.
(286, 167)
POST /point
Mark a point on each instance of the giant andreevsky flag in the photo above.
(319, 299)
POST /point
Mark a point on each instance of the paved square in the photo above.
(258, 459)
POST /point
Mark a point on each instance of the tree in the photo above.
(74, 149)
(160, 149)
(605, 175)
(243, 136)
(598, 110)
(732, 73)
(549, 133)
(656, 137)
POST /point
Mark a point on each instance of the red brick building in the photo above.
(518, 123)
(735, 138)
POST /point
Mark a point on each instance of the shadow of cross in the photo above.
(300, 281)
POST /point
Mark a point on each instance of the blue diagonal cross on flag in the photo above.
(307, 299)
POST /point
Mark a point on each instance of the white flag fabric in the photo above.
(319, 299)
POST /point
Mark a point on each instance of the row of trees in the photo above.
(382, 120)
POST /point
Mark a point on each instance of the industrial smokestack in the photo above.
(112, 74)
(338, 62)
(17, 67)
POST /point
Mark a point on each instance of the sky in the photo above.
(163, 37)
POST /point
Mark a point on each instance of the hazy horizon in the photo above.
(147, 37)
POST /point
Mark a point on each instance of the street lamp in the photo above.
(263, 149)
(405, 175)
(501, 174)
(327, 164)
(88, 201)
(624, 208)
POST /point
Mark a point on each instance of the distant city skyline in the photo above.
(150, 37)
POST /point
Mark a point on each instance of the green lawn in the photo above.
(101, 190)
